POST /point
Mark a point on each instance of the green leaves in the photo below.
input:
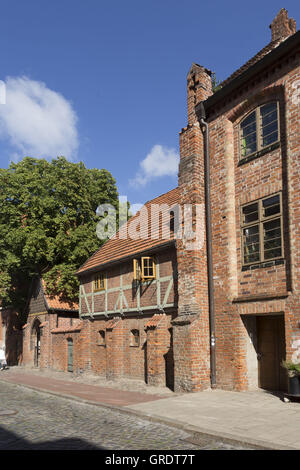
(48, 223)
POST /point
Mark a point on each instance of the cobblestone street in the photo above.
(35, 420)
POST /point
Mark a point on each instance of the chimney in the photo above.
(282, 26)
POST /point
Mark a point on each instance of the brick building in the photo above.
(248, 131)
(51, 330)
(128, 298)
(233, 312)
(11, 334)
(224, 313)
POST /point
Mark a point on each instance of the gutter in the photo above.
(200, 111)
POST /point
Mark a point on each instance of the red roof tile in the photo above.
(67, 329)
(55, 302)
(154, 321)
(112, 323)
(116, 248)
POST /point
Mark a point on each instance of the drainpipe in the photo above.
(200, 111)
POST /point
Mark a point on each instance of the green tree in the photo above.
(48, 224)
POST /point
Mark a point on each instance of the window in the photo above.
(135, 338)
(144, 268)
(259, 129)
(99, 282)
(262, 236)
(101, 338)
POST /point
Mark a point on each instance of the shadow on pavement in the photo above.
(11, 441)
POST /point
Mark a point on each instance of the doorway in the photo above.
(271, 352)
(70, 355)
(36, 337)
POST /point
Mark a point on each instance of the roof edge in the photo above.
(253, 70)
(128, 257)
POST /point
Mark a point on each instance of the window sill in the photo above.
(259, 154)
(264, 264)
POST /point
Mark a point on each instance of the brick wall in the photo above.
(233, 185)
(239, 292)
(191, 328)
(11, 335)
(119, 356)
(134, 296)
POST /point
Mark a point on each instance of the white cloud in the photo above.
(160, 161)
(37, 121)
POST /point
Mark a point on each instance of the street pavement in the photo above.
(34, 420)
(54, 408)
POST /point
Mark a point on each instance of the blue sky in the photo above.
(105, 82)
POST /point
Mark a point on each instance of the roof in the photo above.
(54, 302)
(67, 329)
(284, 40)
(117, 247)
(262, 53)
(154, 321)
(282, 27)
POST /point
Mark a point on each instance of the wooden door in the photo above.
(70, 355)
(271, 353)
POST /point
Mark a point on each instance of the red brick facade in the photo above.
(243, 294)
(159, 331)
(112, 317)
(50, 323)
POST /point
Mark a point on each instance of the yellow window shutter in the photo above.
(136, 270)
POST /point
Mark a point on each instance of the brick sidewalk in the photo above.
(91, 393)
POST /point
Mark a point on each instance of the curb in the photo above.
(195, 431)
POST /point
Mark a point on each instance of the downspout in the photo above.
(200, 111)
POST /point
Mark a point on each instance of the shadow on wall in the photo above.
(12, 334)
(11, 441)
(169, 363)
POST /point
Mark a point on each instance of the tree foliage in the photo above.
(215, 83)
(48, 224)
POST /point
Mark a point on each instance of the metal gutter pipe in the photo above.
(200, 111)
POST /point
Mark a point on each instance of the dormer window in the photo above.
(259, 129)
(144, 269)
(99, 282)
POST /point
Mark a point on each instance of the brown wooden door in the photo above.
(271, 352)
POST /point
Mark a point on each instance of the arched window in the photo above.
(259, 129)
(35, 333)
